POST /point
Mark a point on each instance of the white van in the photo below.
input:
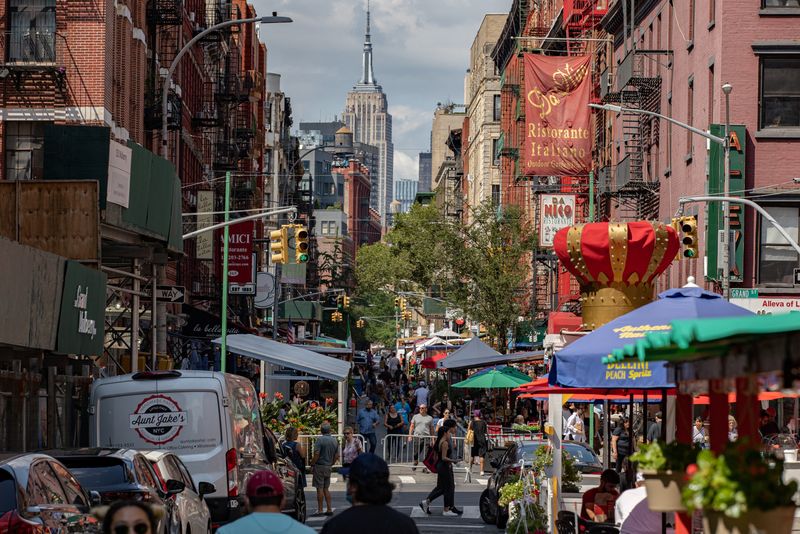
(210, 420)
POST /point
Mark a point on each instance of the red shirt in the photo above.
(590, 500)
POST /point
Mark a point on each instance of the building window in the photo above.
(496, 108)
(690, 35)
(777, 259)
(780, 92)
(32, 33)
(690, 117)
(495, 194)
(495, 152)
(780, 3)
(24, 153)
(712, 8)
(711, 92)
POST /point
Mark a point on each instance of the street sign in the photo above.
(797, 277)
(744, 293)
(173, 294)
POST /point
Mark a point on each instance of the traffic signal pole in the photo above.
(224, 312)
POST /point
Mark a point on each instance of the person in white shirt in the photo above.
(575, 426)
(632, 513)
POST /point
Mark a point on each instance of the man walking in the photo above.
(421, 431)
(326, 454)
(367, 420)
(654, 430)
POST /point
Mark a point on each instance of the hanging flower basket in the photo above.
(775, 521)
(664, 491)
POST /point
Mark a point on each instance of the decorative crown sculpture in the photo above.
(615, 264)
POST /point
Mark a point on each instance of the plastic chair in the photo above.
(565, 522)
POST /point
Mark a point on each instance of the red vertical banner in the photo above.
(557, 137)
(718, 415)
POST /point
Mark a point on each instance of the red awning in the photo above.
(432, 362)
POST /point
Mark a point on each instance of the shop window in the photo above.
(24, 150)
(777, 259)
(32, 25)
(780, 92)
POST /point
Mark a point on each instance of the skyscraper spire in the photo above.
(367, 76)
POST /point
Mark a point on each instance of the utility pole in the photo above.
(726, 219)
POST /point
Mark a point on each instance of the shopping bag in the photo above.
(431, 459)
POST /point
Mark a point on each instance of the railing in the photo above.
(400, 449)
(308, 440)
(28, 47)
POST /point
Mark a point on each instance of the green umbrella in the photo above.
(504, 378)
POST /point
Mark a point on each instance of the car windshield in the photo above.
(8, 492)
(94, 473)
(578, 453)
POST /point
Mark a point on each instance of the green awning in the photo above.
(697, 339)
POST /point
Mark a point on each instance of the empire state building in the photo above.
(365, 113)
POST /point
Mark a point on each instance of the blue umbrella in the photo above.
(580, 363)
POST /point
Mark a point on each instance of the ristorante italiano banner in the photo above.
(557, 140)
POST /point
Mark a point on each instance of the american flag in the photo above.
(290, 333)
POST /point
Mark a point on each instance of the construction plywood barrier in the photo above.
(61, 217)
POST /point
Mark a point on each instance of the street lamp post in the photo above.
(724, 142)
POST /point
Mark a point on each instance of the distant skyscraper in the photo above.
(365, 113)
(425, 169)
(404, 192)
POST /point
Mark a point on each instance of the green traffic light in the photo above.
(303, 258)
(688, 253)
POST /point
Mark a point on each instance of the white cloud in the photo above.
(406, 119)
(405, 167)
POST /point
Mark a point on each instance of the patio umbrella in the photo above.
(580, 363)
(493, 379)
(446, 333)
(506, 369)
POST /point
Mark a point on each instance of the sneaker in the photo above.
(425, 470)
(414, 467)
(426, 506)
(482, 474)
(456, 510)
(449, 513)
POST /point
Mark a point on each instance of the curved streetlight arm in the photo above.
(620, 109)
(262, 215)
(168, 78)
(746, 202)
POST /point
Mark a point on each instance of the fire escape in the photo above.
(630, 186)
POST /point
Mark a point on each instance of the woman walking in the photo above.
(295, 451)
(394, 424)
(480, 441)
(350, 450)
(445, 482)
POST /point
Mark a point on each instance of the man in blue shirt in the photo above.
(264, 501)
(367, 421)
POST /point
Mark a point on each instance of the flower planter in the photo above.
(664, 491)
(777, 521)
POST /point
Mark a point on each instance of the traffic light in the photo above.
(300, 244)
(336, 317)
(406, 315)
(340, 302)
(689, 239)
(345, 301)
(360, 323)
(403, 304)
(279, 244)
(397, 303)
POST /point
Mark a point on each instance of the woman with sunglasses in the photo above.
(129, 517)
(350, 450)
(445, 416)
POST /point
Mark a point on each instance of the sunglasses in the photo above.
(138, 528)
(348, 433)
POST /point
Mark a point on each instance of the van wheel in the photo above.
(299, 504)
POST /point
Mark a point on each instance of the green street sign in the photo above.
(744, 293)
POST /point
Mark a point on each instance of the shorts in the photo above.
(479, 450)
(321, 478)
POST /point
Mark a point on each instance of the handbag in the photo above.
(470, 439)
(431, 459)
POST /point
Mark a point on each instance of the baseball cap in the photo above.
(264, 484)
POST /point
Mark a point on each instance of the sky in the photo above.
(420, 57)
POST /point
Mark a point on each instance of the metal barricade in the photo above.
(399, 449)
(500, 440)
(308, 440)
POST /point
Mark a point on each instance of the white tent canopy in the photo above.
(446, 333)
(431, 342)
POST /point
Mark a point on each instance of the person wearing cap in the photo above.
(369, 490)
(264, 502)
(420, 431)
(632, 513)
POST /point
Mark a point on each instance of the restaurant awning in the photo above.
(291, 356)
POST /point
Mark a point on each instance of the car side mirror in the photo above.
(175, 486)
(33, 511)
(206, 488)
(94, 498)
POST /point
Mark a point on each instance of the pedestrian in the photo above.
(443, 405)
(393, 365)
(370, 492)
(295, 451)
(445, 482)
(367, 420)
(394, 424)
(350, 449)
(265, 499)
(130, 517)
(768, 426)
(597, 504)
(654, 430)
(699, 434)
(621, 444)
(480, 440)
(403, 408)
(420, 432)
(575, 426)
(733, 431)
(445, 417)
(421, 393)
(632, 513)
(326, 454)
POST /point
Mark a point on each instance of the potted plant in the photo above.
(525, 429)
(663, 466)
(740, 491)
(526, 515)
(570, 476)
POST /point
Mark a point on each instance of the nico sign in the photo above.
(555, 212)
(557, 92)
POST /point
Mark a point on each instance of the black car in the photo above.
(507, 466)
(122, 474)
(38, 494)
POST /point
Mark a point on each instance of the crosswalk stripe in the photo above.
(470, 512)
(407, 479)
(482, 481)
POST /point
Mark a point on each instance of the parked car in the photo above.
(122, 474)
(508, 466)
(38, 494)
(191, 510)
(210, 420)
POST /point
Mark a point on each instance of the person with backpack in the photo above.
(445, 482)
(295, 451)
